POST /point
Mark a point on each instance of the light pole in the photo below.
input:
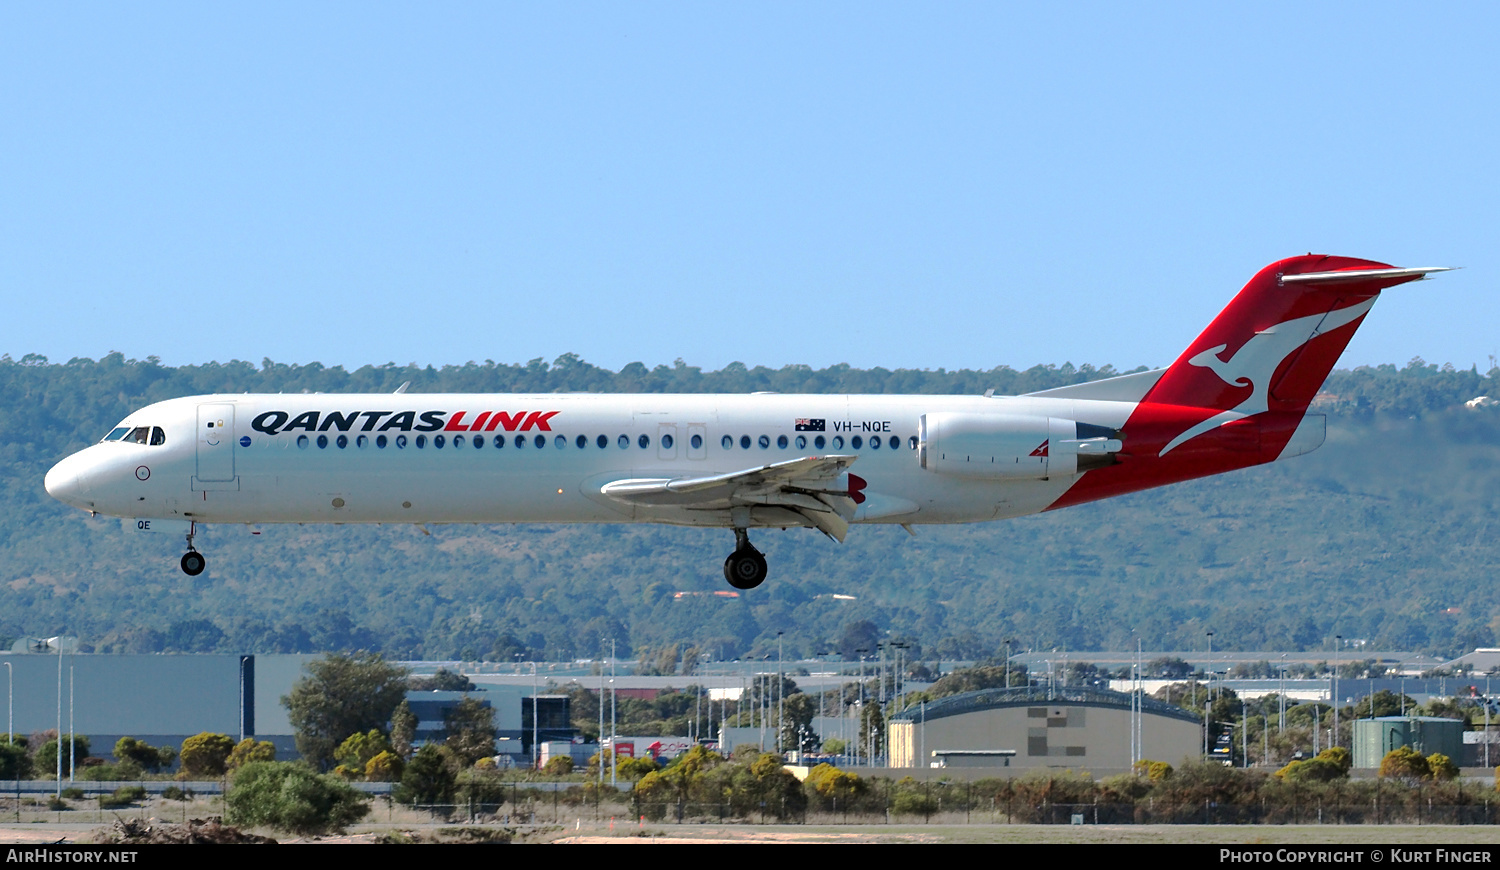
(1338, 641)
(780, 695)
(1210, 664)
(1281, 699)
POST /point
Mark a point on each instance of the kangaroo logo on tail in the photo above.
(1257, 360)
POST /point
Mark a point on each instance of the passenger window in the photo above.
(666, 442)
(819, 442)
(421, 441)
(301, 442)
(875, 443)
(362, 442)
(560, 441)
(158, 437)
(727, 442)
(381, 441)
(765, 442)
(801, 442)
(623, 441)
(499, 441)
(582, 441)
(602, 441)
(696, 442)
(856, 442)
(342, 442)
(478, 441)
(437, 441)
(541, 441)
(400, 442)
(458, 441)
(912, 442)
(895, 442)
(520, 440)
(322, 441)
(644, 441)
(744, 442)
(781, 441)
(838, 442)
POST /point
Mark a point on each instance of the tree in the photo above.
(14, 762)
(45, 761)
(1404, 763)
(469, 730)
(385, 767)
(1168, 668)
(206, 755)
(973, 679)
(403, 730)
(342, 695)
(443, 680)
(1385, 703)
(292, 797)
(834, 787)
(796, 727)
(249, 750)
(429, 778)
(355, 753)
(780, 792)
(1154, 771)
(1441, 767)
(856, 636)
(149, 757)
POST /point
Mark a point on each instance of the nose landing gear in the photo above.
(193, 562)
(746, 566)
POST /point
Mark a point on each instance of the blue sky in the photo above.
(902, 185)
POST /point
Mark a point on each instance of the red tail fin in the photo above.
(1269, 351)
(1273, 346)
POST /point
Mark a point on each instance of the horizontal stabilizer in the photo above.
(1362, 275)
(1125, 388)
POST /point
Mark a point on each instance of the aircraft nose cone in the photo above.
(66, 483)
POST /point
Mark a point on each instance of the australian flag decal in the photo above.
(807, 424)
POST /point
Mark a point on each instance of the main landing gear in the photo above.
(193, 562)
(746, 566)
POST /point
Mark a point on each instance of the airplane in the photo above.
(1238, 396)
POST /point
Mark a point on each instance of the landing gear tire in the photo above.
(193, 563)
(745, 568)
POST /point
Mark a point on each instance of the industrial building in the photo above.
(1037, 727)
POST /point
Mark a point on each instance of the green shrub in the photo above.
(122, 797)
(291, 797)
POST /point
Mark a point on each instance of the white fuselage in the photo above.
(499, 458)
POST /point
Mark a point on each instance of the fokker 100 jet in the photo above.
(1237, 397)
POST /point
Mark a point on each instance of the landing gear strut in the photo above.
(193, 562)
(746, 566)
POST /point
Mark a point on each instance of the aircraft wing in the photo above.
(817, 487)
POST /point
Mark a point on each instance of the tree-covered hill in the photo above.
(1383, 534)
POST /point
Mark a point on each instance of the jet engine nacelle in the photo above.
(1012, 447)
(994, 446)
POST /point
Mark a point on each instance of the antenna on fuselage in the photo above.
(402, 388)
